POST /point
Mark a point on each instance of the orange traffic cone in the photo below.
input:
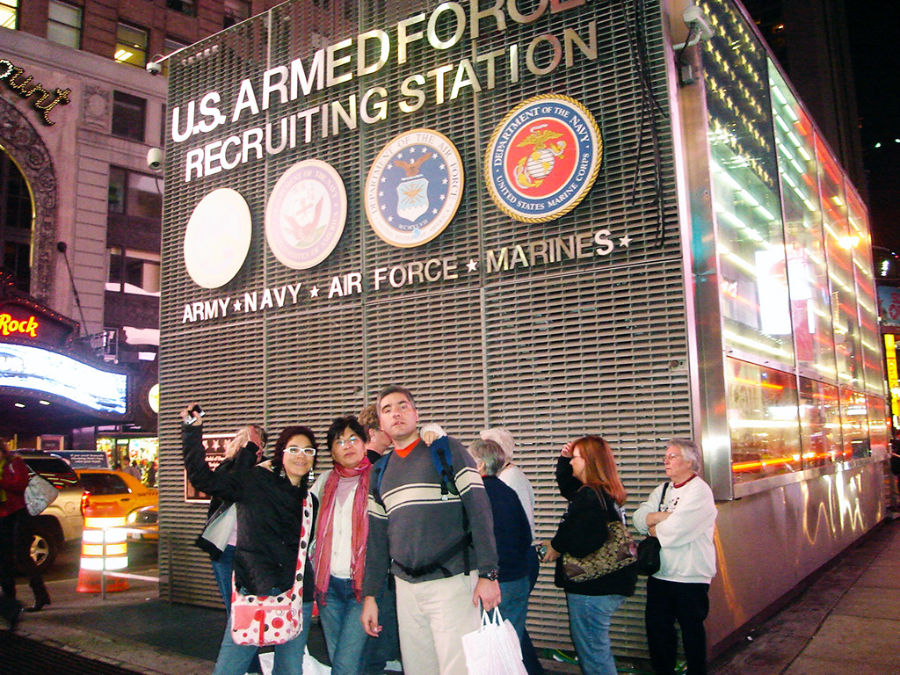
(101, 549)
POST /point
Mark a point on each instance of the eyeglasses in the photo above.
(671, 457)
(297, 450)
(344, 442)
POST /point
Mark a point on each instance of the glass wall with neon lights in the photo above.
(803, 367)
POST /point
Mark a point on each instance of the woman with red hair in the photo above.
(587, 476)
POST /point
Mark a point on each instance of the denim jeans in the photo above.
(222, 569)
(234, 659)
(386, 647)
(344, 634)
(589, 619)
(514, 605)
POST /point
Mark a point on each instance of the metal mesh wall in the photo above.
(550, 351)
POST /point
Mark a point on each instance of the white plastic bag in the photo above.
(494, 648)
(39, 494)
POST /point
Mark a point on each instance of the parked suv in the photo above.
(61, 521)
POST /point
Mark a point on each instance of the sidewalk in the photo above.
(131, 629)
(847, 621)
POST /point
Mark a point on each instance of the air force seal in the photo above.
(305, 214)
(543, 158)
(414, 188)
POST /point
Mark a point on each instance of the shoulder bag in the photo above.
(39, 494)
(648, 550)
(617, 551)
(262, 620)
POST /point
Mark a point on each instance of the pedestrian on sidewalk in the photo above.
(340, 555)
(219, 534)
(512, 533)
(15, 538)
(386, 647)
(684, 522)
(444, 562)
(269, 500)
(587, 476)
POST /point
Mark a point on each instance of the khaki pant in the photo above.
(433, 616)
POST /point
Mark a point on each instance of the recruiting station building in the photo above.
(562, 217)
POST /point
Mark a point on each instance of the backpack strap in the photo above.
(440, 457)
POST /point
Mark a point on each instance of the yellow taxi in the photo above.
(117, 499)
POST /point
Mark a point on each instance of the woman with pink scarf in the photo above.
(340, 553)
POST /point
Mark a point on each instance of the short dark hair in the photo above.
(287, 434)
(339, 425)
(394, 389)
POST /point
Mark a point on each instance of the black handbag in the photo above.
(648, 550)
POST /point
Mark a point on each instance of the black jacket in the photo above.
(583, 530)
(269, 517)
(245, 458)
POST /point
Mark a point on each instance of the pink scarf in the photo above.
(360, 523)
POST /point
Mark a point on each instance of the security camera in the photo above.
(694, 18)
(155, 158)
(154, 67)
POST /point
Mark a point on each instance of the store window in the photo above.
(16, 219)
(839, 245)
(64, 24)
(808, 289)
(129, 116)
(820, 423)
(235, 12)
(744, 174)
(803, 370)
(863, 273)
(131, 45)
(134, 194)
(132, 271)
(9, 12)
(762, 420)
(854, 424)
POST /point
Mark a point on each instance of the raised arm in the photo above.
(225, 485)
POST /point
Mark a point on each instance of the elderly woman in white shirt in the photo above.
(681, 513)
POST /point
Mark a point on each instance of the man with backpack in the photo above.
(430, 525)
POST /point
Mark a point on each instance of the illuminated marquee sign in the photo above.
(26, 321)
(45, 100)
(27, 327)
(23, 367)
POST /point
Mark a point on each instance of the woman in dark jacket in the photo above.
(15, 538)
(587, 476)
(269, 502)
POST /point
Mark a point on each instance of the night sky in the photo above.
(874, 36)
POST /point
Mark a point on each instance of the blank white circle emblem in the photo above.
(217, 238)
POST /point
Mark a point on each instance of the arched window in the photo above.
(16, 222)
